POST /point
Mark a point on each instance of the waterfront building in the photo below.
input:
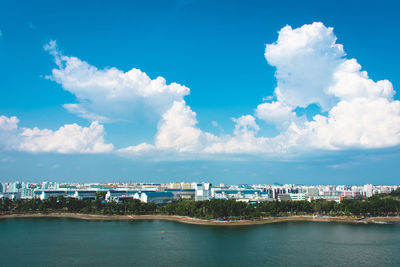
(10, 195)
(246, 195)
(87, 194)
(368, 189)
(292, 197)
(120, 195)
(202, 191)
(197, 191)
(337, 199)
(157, 197)
(182, 193)
(298, 197)
(45, 194)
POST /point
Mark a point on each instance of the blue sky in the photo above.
(215, 48)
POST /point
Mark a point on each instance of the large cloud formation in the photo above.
(311, 69)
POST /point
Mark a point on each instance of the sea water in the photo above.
(73, 242)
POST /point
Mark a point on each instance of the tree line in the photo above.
(378, 205)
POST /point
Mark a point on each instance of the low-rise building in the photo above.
(46, 193)
(157, 197)
(182, 193)
(119, 195)
(10, 195)
(86, 194)
(337, 199)
(292, 197)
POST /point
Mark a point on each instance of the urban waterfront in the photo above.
(66, 242)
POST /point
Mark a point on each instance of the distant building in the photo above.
(120, 195)
(182, 193)
(292, 197)
(284, 197)
(337, 199)
(368, 189)
(164, 193)
(202, 191)
(246, 195)
(312, 192)
(45, 194)
(49, 185)
(298, 197)
(157, 197)
(86, 194)
(10, 195)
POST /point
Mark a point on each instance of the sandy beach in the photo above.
(189, 220)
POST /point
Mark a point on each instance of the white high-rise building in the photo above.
(368, 190)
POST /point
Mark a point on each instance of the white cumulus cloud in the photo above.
(70, 138)
(311, 68)
(276, 113)
(110, 94)
(8, 126)
(305, 59)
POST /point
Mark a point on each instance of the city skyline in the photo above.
(200, 95)
(162, 193)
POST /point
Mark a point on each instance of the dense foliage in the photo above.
(212, 209)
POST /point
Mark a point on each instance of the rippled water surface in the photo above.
(69, 242)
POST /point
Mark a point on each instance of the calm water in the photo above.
(66, 242)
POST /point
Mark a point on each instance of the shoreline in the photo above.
(213, 222)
